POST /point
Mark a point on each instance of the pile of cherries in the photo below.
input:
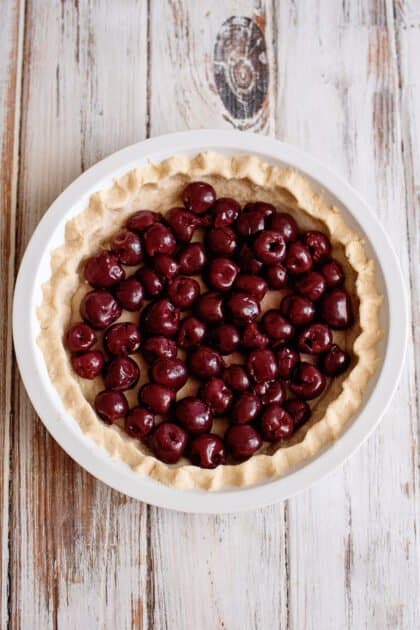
(287, 352)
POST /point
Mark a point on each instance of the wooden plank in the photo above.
(352, 537)
(78, 549)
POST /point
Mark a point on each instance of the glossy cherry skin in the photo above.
(251, 284)
(194, 414)
(277, 327)
(287, 360)
(103, 270)
(221, 241)
(247, 260)
(333, 274)
(276, 424)
(166, 266)
(225, 338)
(157, 398)
(183, 223)
(335, 361)
(312, 285)
(205, 362)
(307, 381)
(207, 451)
(271, 393)
(142, 219)
(250, 222)
(130, 294)
(236, 378)
(152, 283)
(270, 247)
(169, 372)
(242, 440)
(80, 337)
(242, 308)
(122, 339)
(128, 248)
(318, 245)
(262, 365)
(336, 309)
(298, 309)
(192, 259)
(110, 406)
(158, 347)
(284, 224)
(139, 422)
(276, 276)
(159, 239)
(161, 318)
(209, 307)
(99, 309)
(183, 292)
(121, 373)
(169, 442)
(221, 273)
(198, 197)
(253, 338)
(225, 211)
(89, 364)
(315, 339)
(217, 395)
(267, 209)
(299, 410)
(192, 333)
(298, 258)
(246, 408)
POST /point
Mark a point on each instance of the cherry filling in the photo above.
(191, 312)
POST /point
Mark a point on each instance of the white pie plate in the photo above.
(35, 270)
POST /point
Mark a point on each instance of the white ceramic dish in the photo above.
(35, 269)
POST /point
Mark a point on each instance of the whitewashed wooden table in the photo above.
(80, 79)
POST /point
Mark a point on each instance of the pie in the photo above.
(212, 321)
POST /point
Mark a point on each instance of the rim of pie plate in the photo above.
(235, 143)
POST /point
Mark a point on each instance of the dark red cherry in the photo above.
(99, 309)
(267, 209)
(183, 292)
(287, 360)
(318, 245)
(130, 294)
(236, 377)
(192, 333)
(226, 211)
(335, 361)
(217, 395)
(142, 219)
(298, 309)
(80, 337)
(298, 258)
(128, 248)
(194, 415)
(270, 247)
(158, 347)
(198, 197)
(336, 309)
(262, 365)
(221, 241)
(159, 239)
(122, 339)
(242, 440)
(312, 285)
(103, 270)
(183, 223)
(110, 406)
(242, 308)
(89, 364)
(160, 318)
(169, 442)
(192, 259)
(276, 276)
(246, 408)
(221, 273)
(315, 339)
(207, 451)
(277, 327)
(251, 284)
(250, 222)
(333, 274)
(285, 224)
(157, 398)
(225, 338)
(171, 372)
(247, 260)
(299, 410)
(253, 338)
(165, 266)
(209, 307)
(139, 422)
(274, 393)
(307, 381)
(205, 362)
(276, 424)
(152, 283)
(121, 373)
